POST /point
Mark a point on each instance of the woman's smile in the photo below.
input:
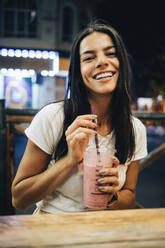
(103, 75)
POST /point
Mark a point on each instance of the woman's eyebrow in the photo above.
(108, 48)
(87, 52)
(93, 51)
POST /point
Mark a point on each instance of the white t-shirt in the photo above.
(45, 131)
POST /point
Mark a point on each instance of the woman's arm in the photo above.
(34, 181)
(126, 196)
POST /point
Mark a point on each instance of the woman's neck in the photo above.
(100, 107)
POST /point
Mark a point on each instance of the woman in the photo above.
(50, 173)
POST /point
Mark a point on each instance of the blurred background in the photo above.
(35, 43)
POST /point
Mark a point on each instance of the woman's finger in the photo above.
(115, 161)
(76, 146)
(109, 189)
(108, 171)
(85, 121)
(108, 180)
(78, 132)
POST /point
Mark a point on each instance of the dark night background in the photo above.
(142, 27)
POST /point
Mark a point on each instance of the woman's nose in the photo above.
(102, 60)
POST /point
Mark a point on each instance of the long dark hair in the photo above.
(119, 111)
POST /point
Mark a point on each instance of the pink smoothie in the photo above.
(93, 197)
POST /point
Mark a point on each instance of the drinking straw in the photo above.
(96, 138)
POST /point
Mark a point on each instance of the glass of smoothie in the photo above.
(95, 160)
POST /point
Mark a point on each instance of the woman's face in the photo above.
(99, 64)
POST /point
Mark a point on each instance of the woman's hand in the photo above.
(108, 180)
(77, 136)
(126, 196)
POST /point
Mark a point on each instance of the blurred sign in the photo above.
(144, 104)
(18, 92)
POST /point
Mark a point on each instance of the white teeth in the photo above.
(104, 75)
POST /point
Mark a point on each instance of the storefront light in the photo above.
(52, 55)
(4, 52)
(17, 53)
(38, 54)
(31, 54)
(3, 71)
(24, 72)
(45, 55)
(44, 73)
(10, 72)
(10, 52)
(56, 65)
(25, 53)
(51, 73)
(17, 72)
(31, 72)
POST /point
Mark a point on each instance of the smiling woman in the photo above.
(50, 173)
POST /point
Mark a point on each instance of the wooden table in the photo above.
(104, 229)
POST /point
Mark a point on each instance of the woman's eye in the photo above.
(87, 59)
(111, 54)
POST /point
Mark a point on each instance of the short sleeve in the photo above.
(46, 127)
(140, 139)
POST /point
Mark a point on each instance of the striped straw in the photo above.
(96, 138)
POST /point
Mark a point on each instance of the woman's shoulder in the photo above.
(51, 110)
(137, 122)
(140, 139)
(46, 126)
(53, 107)
(139, 127)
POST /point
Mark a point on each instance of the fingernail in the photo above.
(101, 187)
(102, 171)
(100, 179)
